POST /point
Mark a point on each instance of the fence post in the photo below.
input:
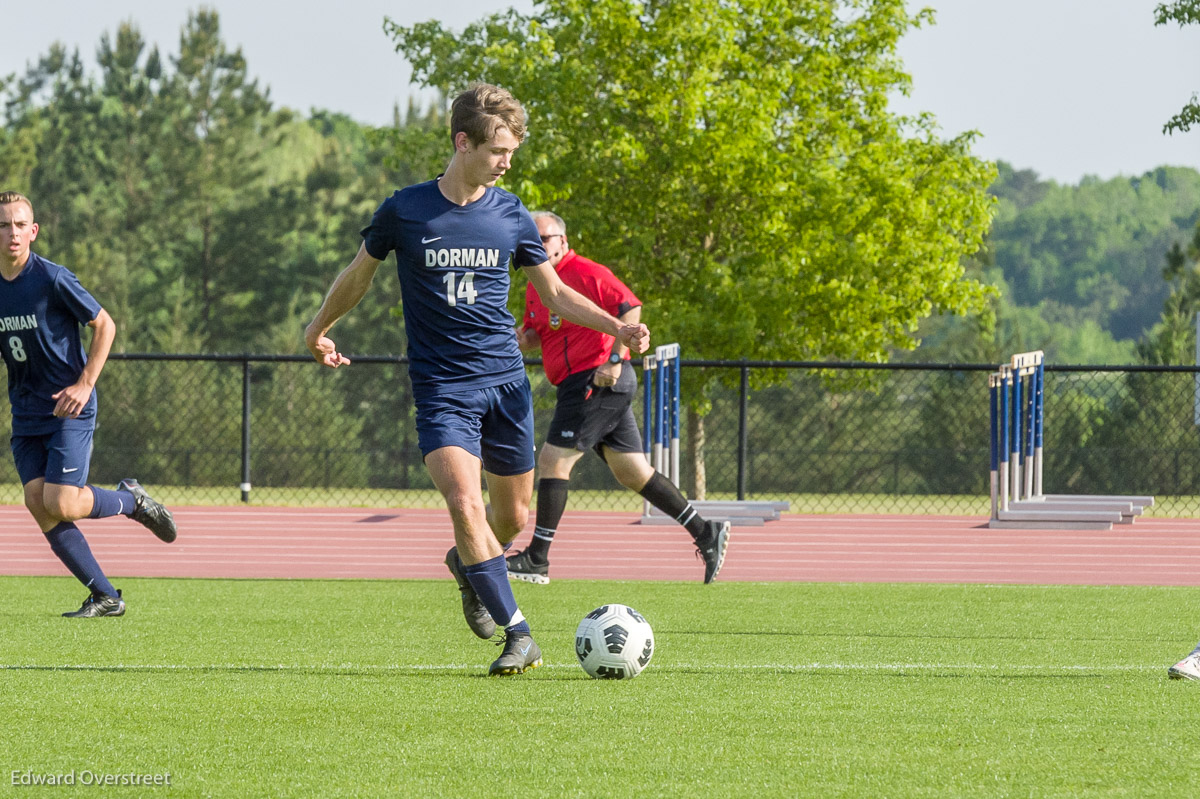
(1196, 378)
(743, 432)
(246, 429)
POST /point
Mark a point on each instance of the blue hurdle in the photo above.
(661, 378)
(1017, 421)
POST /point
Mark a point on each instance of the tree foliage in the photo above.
(1173, 339)
(1183, 12)
(1078, 268)
(736, 163)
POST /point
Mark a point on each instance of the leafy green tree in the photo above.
(736, 163)
(1173, 339)
(733, 155)
(219, 123)
(1184, 12)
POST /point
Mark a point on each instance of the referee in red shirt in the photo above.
(596, 386)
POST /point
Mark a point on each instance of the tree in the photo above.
(1183, 12)
(219, 124)
(1173, 339)
(736, 163)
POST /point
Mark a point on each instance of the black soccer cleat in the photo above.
(152, 515)
(522, 567)
(521, 653)
(477, 616)
(99, 605)
(713, 549)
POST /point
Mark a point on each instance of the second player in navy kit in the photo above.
(51, 392)
(455, 239)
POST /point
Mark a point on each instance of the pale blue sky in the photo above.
(1064, 87)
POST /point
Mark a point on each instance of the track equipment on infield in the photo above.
(1017, 431)
(614, 642)
(660, 388)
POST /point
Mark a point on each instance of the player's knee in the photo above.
(634, 482)
(508, 526)
(465, 508)
(54, 507)
(63, 505)
(633, 473)
(35, 506)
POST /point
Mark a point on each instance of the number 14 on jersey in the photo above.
(460, 289)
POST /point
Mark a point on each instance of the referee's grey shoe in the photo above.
(152, 515)
(1186, 669)
(478, 618)
(522, 567)
(713, 547)
(99, 605)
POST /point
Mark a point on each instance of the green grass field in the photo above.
(241, 688)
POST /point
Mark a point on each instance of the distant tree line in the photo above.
(1090, 272)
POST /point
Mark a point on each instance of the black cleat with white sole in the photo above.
(149, 513)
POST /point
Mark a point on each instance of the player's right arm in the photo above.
(347, 290)
(70, 401)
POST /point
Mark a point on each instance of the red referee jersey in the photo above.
(568, 348)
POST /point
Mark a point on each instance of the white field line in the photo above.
(794, 668)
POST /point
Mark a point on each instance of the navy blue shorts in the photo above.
(493, 424)
(62, 457)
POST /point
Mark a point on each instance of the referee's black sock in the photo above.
(664, 495)
(551, 504)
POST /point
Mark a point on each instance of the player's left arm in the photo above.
(72, 399)
(573, 306)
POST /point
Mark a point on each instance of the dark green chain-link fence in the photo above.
(838, 438)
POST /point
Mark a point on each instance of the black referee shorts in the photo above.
(587, 416)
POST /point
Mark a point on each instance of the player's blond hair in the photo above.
(10, 197)
(483, 109)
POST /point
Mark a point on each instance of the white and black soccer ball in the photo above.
(614, 642)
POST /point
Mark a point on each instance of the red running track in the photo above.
(389, 543)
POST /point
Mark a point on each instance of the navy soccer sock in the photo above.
(490, 581)
(72, 549)
(106, 502)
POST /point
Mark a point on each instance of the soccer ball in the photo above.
(614, 642)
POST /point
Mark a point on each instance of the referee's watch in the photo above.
(614, 358)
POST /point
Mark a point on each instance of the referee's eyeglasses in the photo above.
(549, 236)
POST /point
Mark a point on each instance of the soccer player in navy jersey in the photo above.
(594, 409)
(51, 390)
(454, 238)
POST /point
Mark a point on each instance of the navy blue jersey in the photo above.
(454, 263)
(40, 314)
